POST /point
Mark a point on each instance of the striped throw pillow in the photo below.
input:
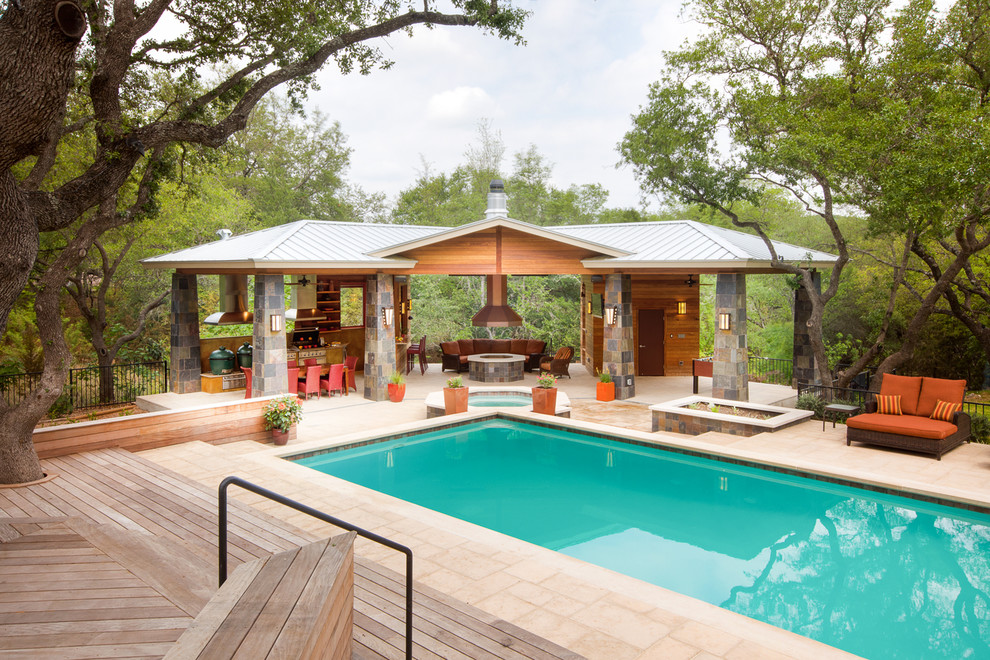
(945, 410)
(889, 404)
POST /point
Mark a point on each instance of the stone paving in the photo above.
(591, 610)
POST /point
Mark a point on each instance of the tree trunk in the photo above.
(18, 461)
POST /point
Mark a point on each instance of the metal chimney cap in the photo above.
(224, 234)
(496, 186)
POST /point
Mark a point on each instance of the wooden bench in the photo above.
(294, 604)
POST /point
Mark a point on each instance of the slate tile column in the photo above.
(617, 354)
(379, 341)
(730, 375)
(184, 368)
(270, 373)
(805, 371)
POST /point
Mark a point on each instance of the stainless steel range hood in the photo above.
(304, 300)
(496, 313)
(233, 301)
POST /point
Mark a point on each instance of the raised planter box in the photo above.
(676, 417)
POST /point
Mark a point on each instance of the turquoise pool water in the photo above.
(876, 575)
(505, 400)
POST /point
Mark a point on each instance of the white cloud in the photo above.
(461, 105)
(570, 91)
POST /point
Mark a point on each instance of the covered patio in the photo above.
(640, 307)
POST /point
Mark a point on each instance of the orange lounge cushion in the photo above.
(500, 345)
(908, 388)
(466, 346)
(518, 346)
(919, 427)
(482, 346)
(935, 389)
(464, 359)
(450, 347)
(535, 346)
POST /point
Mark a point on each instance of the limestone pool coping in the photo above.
(784, 416)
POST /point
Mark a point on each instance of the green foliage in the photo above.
(397, 378)
(351, 306)
(546, 380)
(282, 412)
(455, 382)
(980, 428)
(811, 402)
(604, 377)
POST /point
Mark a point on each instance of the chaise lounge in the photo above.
(454, 354)
(914, 413)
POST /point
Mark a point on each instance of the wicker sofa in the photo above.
(914, 429)
(454, 354)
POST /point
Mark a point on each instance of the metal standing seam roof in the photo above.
(331, 244)
(685, 241)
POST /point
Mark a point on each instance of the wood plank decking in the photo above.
(115, 556)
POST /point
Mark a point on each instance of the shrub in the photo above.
(455, 382)
(980, 428)
(283, 412)
(812, 402)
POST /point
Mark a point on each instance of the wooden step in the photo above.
(62, 596)
(295, 604)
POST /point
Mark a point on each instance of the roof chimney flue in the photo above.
(496, 200)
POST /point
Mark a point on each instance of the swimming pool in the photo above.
(877, 575)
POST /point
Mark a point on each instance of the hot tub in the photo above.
(481, 399)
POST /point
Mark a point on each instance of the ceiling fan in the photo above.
(690, 281)
(301, 282)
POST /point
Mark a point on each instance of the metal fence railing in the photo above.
(87, 387)
(776, 371)
(860, 397)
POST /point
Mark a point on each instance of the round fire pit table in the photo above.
(496, 367)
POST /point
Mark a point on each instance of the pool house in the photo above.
(639, 292)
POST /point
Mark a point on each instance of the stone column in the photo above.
(185, 367)
(269, 370)
(730, 377)
(379, 341)
(617, 353)
(805, 371)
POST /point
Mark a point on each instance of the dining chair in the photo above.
(311, 385)
(309, 362)
(292, 363)
(293, 379)
(247, 383)
(334, 382)
(351, 363)
(417, 350)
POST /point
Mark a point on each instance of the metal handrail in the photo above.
(281, 499)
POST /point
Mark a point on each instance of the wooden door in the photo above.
(651, 335)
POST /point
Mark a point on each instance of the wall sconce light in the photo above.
(275, 322)
(388, 316)
(589, 307)
(611, 314)
(724, 321)
(682, 307)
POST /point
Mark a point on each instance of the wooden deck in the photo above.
(116, 556)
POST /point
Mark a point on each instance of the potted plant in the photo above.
(545, 395)
(455, 396)
(396, 387)
(605, 388)
(280, 414)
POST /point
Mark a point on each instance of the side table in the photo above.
(837, 409)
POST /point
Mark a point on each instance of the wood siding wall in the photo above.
(682, 331)
(215, 424)
(496, 251)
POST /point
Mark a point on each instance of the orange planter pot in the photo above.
(605, 391)
(280, 438)
(455, 400)
(545, 400)
(396, 392)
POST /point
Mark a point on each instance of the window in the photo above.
(351, 306)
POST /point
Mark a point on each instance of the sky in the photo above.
(570, 91)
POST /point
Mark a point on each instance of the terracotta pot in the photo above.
(455, 400)
(280, 437)
(396, 392)
(545, 400)
(605, 391)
